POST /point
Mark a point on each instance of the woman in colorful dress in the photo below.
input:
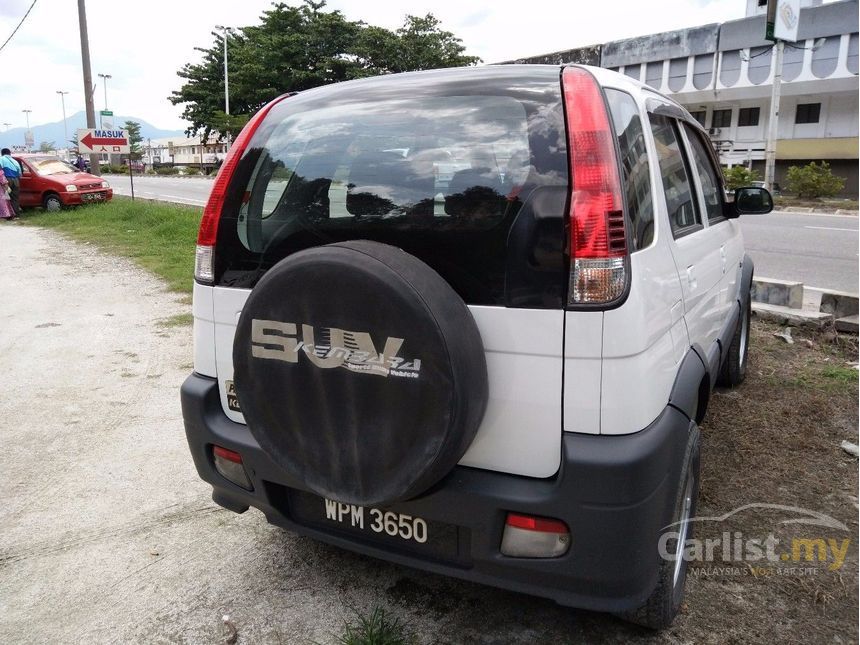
(6, 211)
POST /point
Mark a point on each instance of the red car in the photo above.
(51, 183)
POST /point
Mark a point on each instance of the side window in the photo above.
(683, 209)
(635, 170)
(708, 177)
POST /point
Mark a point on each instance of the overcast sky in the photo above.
(143, 44)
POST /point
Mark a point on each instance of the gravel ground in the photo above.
(109, 536)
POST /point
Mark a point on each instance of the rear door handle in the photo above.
(691, 276)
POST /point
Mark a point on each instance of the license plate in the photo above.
(92, 197)
(399, 531)
(396, 525)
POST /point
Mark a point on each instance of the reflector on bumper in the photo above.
(229, 465)
(534, 537)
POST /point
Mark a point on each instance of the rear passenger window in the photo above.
(708, 177)
(635, 170)
(683, 209)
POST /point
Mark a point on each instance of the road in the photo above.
(818, 250)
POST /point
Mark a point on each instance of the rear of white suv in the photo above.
(467, 320)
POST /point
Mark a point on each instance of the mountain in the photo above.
(54, 131)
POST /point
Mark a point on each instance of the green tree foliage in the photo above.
(134, 138)
(298, 48)
(813, 180)
(739, 176)
(47, 146)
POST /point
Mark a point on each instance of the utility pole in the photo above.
(88, 81)
(65, 129)
(773, 120)
(226, 31)
(28, 133)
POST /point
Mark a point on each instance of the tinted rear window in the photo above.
(440, 164)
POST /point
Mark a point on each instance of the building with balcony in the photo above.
(723, 74)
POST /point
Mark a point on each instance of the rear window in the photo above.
(439, 164)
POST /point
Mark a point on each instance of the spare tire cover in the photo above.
(360, 372)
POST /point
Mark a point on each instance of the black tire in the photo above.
(346, 420)
(51, 202)
(661, 607)
(734, 368)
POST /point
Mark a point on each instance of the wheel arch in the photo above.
(692, 388)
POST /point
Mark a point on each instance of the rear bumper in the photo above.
(615, 493)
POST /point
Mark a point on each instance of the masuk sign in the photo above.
(97, 141)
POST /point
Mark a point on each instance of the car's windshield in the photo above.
(52, 167)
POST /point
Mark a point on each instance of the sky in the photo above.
(143, 44)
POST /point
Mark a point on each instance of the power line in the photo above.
(19, 25)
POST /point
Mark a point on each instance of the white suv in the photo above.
(468, 320)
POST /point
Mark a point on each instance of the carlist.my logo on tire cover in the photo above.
(353, 350)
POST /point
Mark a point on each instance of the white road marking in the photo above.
(831, 228)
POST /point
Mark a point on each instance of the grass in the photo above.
(159, 237)
(179, 320)
(378, 628)
(826, 203)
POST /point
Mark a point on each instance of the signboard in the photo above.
(786, 20)
(106, 113)
(102, 140)
(28, 139)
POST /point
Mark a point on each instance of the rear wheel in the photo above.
(734, 369)
(662, 605)
(52, 203)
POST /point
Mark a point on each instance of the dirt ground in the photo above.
(109, 536)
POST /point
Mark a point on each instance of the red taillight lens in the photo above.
(541, 524)
(208, 232)
(229, 455)
(598, 239)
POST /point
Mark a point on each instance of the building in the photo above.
(723, 74)
(184, 151)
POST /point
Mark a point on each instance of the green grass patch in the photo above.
(179, 320)
(841, 375)
(378, 628)
(159, 237)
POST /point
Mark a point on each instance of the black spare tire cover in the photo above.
(360, 372)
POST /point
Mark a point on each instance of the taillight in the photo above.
(598, 239)
(229, 465)
(528, 536)
(208, 233)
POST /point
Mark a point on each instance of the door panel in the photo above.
(696, 252)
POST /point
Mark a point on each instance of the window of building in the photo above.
(699, 115)
(748, 116)
(808, 113)
(721, 119)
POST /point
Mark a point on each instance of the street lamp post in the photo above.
(65, 129)
(27, 134)
(105, 78)
(226, 31)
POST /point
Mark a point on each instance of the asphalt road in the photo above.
(818, 250)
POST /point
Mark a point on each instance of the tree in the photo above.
(134, 138)
(739, 176)
(813, 180)
(298, 48)
(47, 146)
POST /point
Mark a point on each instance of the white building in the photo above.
(184, 151)
(723, 74)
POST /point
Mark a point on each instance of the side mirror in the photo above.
(750, 200)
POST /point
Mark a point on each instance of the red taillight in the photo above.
(229, 455)
(540, 524)
(208, 232)
(598, 239)
(526, 536)
(229, 465)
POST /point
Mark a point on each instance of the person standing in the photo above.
(6, 211)
(12, 172)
